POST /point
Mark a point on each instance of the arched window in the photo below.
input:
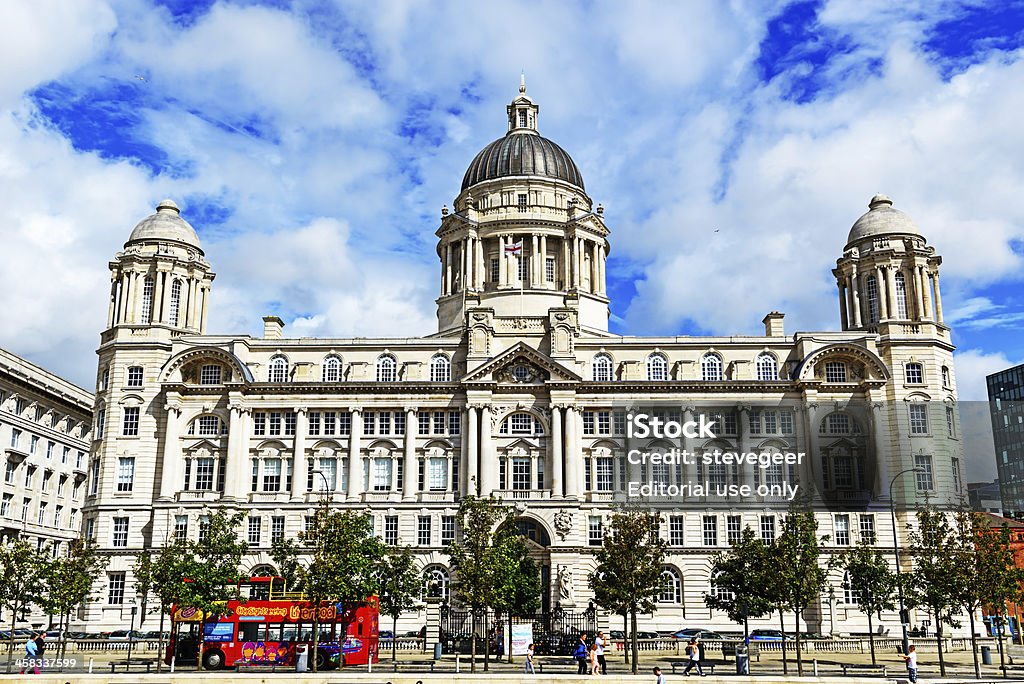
(945, 376)
(657, 367)
(277, 371)
(387, 369)
(767, 367)
(208, 425)
(717, 591)
(838, 423)
(602, 368)
(521, 423)
(175, 303)
(263, 570)
(914, 373)
(901, 296)
(873, 315)
(438, 577)
(332, 369)
(671, 592)
(711, 367)
(147, 300)
(440, 369)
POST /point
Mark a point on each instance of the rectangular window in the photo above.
(786, 422)
(710, 528)
(49, 451)
(209, 374)
(423, 418)
(255, 530)
(918, 419)
(423, 530)
(125, 473)
(5, 505)
(180, 527)
(41, 516)
(119, 538)
(115, 588)
(369, 422)
(9, 473)
(58, 512)
(276, 529)
(314, 423)
(915, 374)
(768, 528)
(30, 472)
(382, 474)
(521, 202)
(604, 422)
(344, 423)
(101, 420)
(842, 530)
(439, 422)
(135, 376)
(447, 529)
(289, 424)
(62, 485)
(835, 371)
(437, 474)
(957, 483)
(204, 474)
(733, 528)
(274, 423)
(588, 422)
(90, 529)
(549, 270)
(925, 481)
(25, 505)
(94, 476)
(259, 423)
(272, 475)
(130, 426)
(495, 271)
(595, 530)
(399, 422)
(15, 437)
(605, 474)
(204, 527)
(384, 423)
(454, 423)
(676, 530)
(619, 422)
(47, 474)
(867, 528)
(391, 530)
(330, 423)
(521, 473)
(950, 421)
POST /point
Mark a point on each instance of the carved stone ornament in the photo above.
(563, 523)
(521, 371)
(561, 316)
(479, 317)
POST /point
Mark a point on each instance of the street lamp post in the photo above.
(896, 551)
(131, 630)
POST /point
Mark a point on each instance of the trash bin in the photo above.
(986, 655)
(742, 661)
(437, 651)
(301, 658)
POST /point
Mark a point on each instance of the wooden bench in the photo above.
(558, 666)
(262, 667)
(862, 668)
(413, 665)
(681, 664)
(1012, 668)
(129, 664)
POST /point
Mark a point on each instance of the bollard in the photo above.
(815, 662)
(174, 658)
(456, 663)
(90, 665)
(369, 664)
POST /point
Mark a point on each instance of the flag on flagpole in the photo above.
(514, 248)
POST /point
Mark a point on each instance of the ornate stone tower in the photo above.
(523, 244)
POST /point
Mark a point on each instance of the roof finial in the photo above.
(522, 82)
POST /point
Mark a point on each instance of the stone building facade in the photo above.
(45, 440)
(524, 393)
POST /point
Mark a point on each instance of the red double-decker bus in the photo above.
(266, 628)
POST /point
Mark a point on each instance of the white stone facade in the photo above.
(45, 438)
(522, 392)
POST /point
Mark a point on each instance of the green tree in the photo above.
(935, 580)
(342, 565)
(873, 581)
(285, 553)
(517, 586)
(739, 577)
(24, 572)
(400, 585)
(213, 570)
(171, 564)
(471, 558)
(143, 570)
(799, 575)
(629, 566)
(69, 582)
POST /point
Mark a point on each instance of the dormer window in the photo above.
(522, 202)
(522, 118)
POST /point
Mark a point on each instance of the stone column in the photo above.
(811, 416)
(234, 479)
(111, 304)
(172, 453)
(573, 478)
(855, 287)
(566, 270)
(206, 307)
(890, 289)
(410, 475)
(926, 290)
(577, 262)
(601, 283)
(883, 292)
(355, 461)
(748, 474)
(919, 293)
(472, 472)
(557, 490)
(447, 286)
(938, 299)
(299, 459)
(535, 269)
(543, 277)
(595, 269)
(842, 305)
(480, 268)
(488, 464)
(502, 262)
(879, 432)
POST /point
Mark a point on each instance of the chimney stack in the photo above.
(773, 324)
(272, 327)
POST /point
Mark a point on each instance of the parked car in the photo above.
(702, 634)
(769, 635)
(78, 635)
(124, 635)
(52, 635)
(385, 634)
(616, 634)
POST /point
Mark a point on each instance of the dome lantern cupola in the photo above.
(522, 112)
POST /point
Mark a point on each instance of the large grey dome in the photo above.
(522, 153)
(166, 224)
(882, 219)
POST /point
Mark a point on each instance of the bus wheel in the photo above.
(321, 661)
(213, 660)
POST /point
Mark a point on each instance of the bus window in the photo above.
(359, 630)
(249, 631)
(305, 632)
(277, 585)
(260, 591)
(326, 633)
(273, 632)
(290, 633)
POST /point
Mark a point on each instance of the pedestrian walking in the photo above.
(528, 663)
(595, 667)
(911, 658)
(600, 652)
(580, 654)
(32, 656)
(693, 651)
(658, 677)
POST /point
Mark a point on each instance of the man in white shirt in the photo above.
(658, 677)
(599, 642)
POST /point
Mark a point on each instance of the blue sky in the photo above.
(312, 145)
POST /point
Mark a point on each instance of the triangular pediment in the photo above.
(521, 364)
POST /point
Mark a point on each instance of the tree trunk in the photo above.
(316, 634)
(472, 642)
(782, 628)
(394, 638)
(201, 642)
(632, 637)
(508, 646)
(10, 642)
(796, 628)
(871, 638)
(625, 631)
(160, 641)
(938, 641)
(999, 636)
(974, 645)
(487, 642)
